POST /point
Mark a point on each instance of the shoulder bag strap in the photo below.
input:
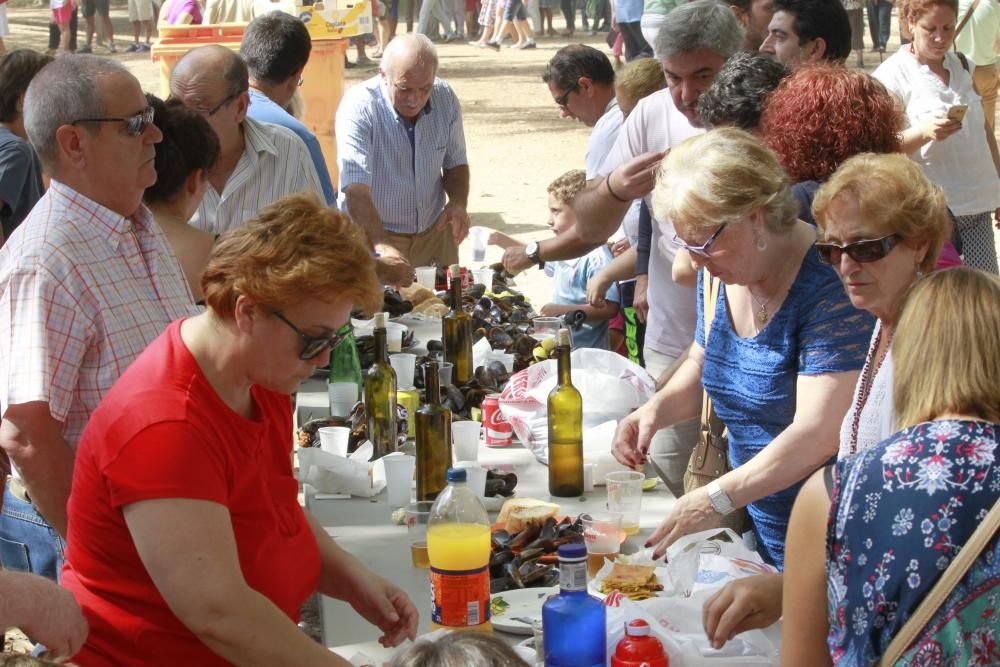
(710, 289)
(965, 19)
(943, 588)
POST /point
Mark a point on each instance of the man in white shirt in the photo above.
(979, 39)
(258, 162)
(86, 282)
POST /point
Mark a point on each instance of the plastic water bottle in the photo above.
(574, 621)
(458, 548)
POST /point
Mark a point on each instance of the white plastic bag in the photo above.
(353, 475)
(611, 387)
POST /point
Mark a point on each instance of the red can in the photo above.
(499, 432)
(466, 278)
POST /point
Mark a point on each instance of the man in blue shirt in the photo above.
(276, 48)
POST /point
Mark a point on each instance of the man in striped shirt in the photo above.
(258, 162)
(401, 153)
(86, 282)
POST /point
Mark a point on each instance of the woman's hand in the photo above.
(692, 513)
(620, 246)
(385, 606)
(941, 127)
(741, 605)
(633, 436)
(597, 290)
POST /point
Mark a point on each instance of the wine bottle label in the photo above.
(573, 575)
(462, 599)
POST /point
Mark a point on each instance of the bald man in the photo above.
(401, 152)
(258, 162)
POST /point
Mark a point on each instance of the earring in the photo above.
(761, 243)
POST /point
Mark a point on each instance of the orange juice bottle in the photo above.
(458, 547)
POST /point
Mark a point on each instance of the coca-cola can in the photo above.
(499, 432)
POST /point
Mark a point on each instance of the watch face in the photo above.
(531, 249)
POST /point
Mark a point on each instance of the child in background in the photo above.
(571, 276)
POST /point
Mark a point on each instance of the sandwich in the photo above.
(519, 513)
(637, 582)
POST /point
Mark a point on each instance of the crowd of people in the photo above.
(789, 232)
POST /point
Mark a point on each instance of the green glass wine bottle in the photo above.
(565, 412)
(457, 333)
(380, 396)
(433, 438)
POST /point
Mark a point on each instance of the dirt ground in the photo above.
(517, 143)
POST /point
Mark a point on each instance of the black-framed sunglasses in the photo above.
(313, 345)
(860, 251)
(564, 98)
(702, 249)
(134, 125)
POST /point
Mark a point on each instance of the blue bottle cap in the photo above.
(572, 551)
(459, 475)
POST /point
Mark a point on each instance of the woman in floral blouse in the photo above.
(870, 537)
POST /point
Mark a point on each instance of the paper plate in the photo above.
(523, 603)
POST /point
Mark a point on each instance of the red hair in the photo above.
(823, 114)
(912, 10)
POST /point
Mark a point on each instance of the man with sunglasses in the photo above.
(258, 162)
(86, 282)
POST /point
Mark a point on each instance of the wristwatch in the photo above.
(532, 250)
(720, 501)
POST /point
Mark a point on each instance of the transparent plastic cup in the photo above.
(394, 336)
(343, 396)
(403, 363)
(479, 236)
(602, 535)
(625, 497)
(444, 372)
(426, 276)
(475, 476)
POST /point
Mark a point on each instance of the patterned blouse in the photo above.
(899, 514)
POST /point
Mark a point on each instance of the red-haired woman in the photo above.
(946, 131)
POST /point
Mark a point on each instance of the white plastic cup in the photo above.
(465, 440)
(334, 439)
(475, 476)
(444, 372)
(484, 277)
(479, 236)
(403, 363)
(426, 276)
(343, 396)
(399, 478)
(394, 336)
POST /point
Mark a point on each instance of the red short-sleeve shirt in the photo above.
(163, 432)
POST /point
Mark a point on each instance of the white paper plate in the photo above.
(524, 602)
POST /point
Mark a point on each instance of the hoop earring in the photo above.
(761, 243)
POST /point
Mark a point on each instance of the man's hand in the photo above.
(457, 218)
(639, 299)
(54, 617)
(635, 178)
(516, 260)
(741, 605)
(386, 606)
(693, 512)
(392, 268)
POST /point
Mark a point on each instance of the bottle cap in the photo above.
(456, 269)
(637, 628)
(380, 320)
(563, 339)
(573, 551)
(459, 475)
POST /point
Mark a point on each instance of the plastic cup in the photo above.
(394, 338)
(426, 276)
(403, 363)
(444, 372)
(539, 635)
(545, 327)
(417, 516)
(602, 535)
(625, 497)
(479, 236)
(484, 277)
(334, 439)
(399, 478)
(465, 440)
(505, 358)
(475, 476)
(343, 396)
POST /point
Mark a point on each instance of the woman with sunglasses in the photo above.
(785, 345)
(186, 544)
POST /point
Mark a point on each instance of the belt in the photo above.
(17, 489)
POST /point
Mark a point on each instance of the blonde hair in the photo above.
(294, 248)
(723, 176)
(894, 196)
(568, 185)
(946, 350)
(640, 78)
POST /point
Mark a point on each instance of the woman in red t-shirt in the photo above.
(186, 544)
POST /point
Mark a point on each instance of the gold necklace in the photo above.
(761, 313)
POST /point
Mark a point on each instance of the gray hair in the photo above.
(702, 24)
(409, 45)
(64, 91)
(459, 649)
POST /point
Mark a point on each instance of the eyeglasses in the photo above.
(314, 345)
(218, 106)
(860, 251)
(134, 125)
(702, 249)
(564, 98)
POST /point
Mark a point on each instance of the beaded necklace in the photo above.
(867, 381)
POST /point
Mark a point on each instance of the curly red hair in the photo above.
(823, 114)
(912, 10)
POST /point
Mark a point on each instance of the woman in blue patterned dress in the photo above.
(785, 345)
(871, 536)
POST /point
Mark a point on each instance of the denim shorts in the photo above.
(27, 542)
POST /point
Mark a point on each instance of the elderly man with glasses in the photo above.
(86, 282)
(258, 162)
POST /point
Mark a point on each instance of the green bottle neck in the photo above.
(432, 385)
(456, 293)
(381, 347)
(565, 372)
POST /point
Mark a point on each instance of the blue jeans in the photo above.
(879, 17)
(27, 542)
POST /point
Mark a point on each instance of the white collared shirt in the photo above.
(275, 163)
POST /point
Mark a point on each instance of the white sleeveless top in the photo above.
(877, 420)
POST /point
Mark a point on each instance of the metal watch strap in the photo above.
(719, 499)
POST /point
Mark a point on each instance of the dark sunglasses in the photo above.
(313, 345)
(860, 251)
(134, 125)
(564, 98)
(702, 249)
